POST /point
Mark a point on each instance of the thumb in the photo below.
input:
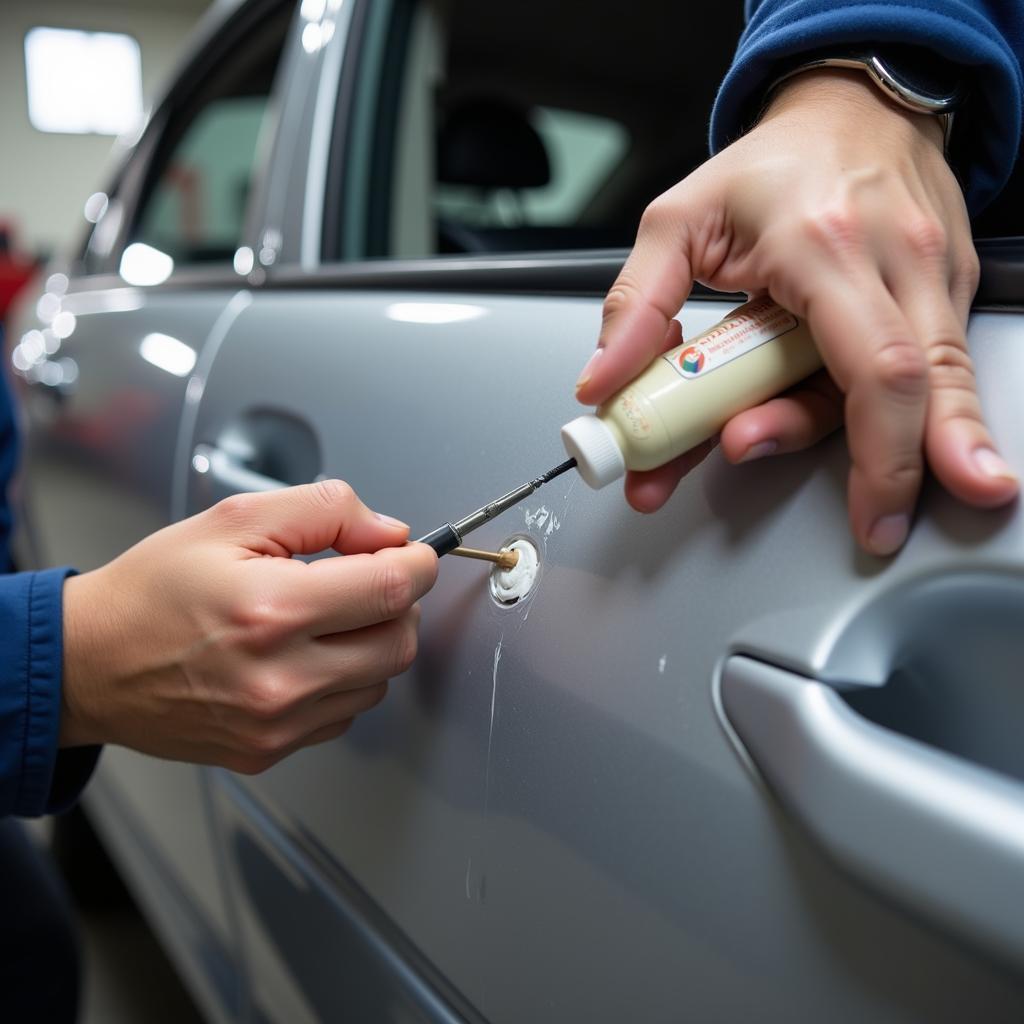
(309, 518)
(649, 291)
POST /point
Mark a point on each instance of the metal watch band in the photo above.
(897, 87)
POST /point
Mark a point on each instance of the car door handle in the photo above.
(228, 474)
(930, 828)
(258, 450)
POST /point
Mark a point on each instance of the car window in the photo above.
(583, 151)
(469, 132)
(194, 203)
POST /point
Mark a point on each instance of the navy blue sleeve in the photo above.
(986, 37)
(34, 777)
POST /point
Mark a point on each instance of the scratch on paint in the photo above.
(490, 731)
(494, 688)
(662, 662)
(469, 868)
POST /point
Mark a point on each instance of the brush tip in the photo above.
(561, 468)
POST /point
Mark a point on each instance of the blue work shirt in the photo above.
(985, 37)
(34, 778)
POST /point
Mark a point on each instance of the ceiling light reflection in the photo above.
(244, 260)
(433, 312)
(95, 207)
(47, 307)
(312, 38)
(32, 346)
(63, 325)
(168, 354)
(114, 300)
(143, 265)
(57, 284)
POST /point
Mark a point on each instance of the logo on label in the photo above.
(749, 327)
(691, 360)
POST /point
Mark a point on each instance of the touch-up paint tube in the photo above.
(688, 394)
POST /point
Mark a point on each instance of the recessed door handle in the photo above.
(259, 450)
(228, 474)
(933, 830)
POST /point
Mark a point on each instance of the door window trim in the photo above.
(134, 179)
(586, 273)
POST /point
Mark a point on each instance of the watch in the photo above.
(915, 78)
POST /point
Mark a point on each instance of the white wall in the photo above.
(45, 178)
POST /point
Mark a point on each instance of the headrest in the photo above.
(491, 144)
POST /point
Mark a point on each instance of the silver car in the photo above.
(715, 765)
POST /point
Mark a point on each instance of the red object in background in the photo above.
(16, 268)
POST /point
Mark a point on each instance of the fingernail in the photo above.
(588, 369)
(389, 521)
(992, 464)
(760, 450)
(888, 534)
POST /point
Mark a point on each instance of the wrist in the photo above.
(821, 95)
(87, 646)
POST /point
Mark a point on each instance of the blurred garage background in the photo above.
(74, 76)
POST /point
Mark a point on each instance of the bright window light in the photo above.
(83, 82)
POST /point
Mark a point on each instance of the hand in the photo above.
(840, 205)
(208, 642)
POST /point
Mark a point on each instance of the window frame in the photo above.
(135, 178)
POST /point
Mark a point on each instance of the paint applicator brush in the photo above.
(448, 537)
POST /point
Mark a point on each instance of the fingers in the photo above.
(958, 445)
(649, 291)
(341, 594)
(350, 661)
(256, 750)
(871, 350)
(798, 419)
(307, 519)
(648, 491)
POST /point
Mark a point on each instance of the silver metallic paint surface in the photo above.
(546, 803)
(98, 478)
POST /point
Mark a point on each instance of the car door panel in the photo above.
(99, 453)
(548, 805)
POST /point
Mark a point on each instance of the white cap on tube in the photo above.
(591, 443)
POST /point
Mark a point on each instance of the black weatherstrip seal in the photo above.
(1002, 273)
(576, 273)
(570, 273)
(330, 228)
(587, 274)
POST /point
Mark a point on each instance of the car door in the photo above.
(105, 368)
(641, 791)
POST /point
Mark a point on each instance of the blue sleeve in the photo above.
(986, 37)
(8, 460)
(34, 777)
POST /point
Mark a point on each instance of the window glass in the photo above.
(197, 207)
(194, 206)
(582, 151)
(473, 133)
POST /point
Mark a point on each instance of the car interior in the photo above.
(494, 138)
(468, 130)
